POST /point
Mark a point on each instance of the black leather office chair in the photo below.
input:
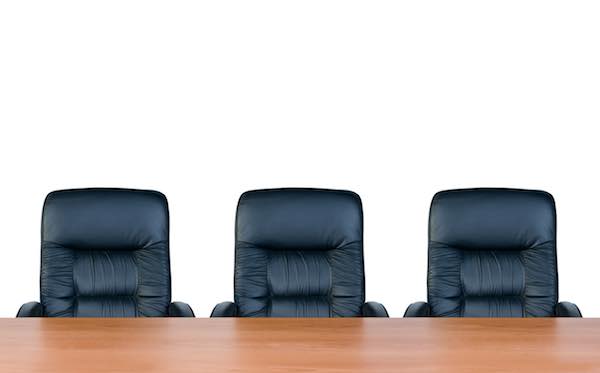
(105, 253)
(299, 253)
(492, 253)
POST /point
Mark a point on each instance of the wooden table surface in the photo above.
(299, 345)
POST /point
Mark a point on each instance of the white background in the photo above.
(394, 100)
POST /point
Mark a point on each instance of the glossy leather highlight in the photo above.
(492, 253)
(374, 309)
(299, 253)
(31, 309)
(180, 309)
(567, 309)
(418, 309)
(225, 309)
(105, 253)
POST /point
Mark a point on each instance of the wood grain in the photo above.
(299, 345)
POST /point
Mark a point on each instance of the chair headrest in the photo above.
(488, 218)
(298, 219)
(105, 219)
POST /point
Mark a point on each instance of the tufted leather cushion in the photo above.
(299, 253)
(492, 253)
(105, 253)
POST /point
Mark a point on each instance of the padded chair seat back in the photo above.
(299, 253)
(105, 253)
(492, 253)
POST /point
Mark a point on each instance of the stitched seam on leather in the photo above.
(104, 296)
(269, 304)
(461, 309)
(323, 296)
(524, 286)
(522, 249)
(253, 245)
(145, 247)
(491, 296)
(137, 282)
(75, 303)
(330, 289)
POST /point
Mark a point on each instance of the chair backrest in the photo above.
(299, 253)
(105, 253)
(492, 253)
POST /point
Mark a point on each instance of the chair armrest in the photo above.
(418, 309)
(225, 309)
(567, 309)
(31, 309)
(180, 309)
(374, 309)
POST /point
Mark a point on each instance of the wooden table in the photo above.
(300, 345)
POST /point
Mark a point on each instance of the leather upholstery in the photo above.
(567, 309)
(298, 253)
(105, 253)
(225, 309)
(418, 309)
(180, 309)
(31, 309)
(492, 253)
(374, 309)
